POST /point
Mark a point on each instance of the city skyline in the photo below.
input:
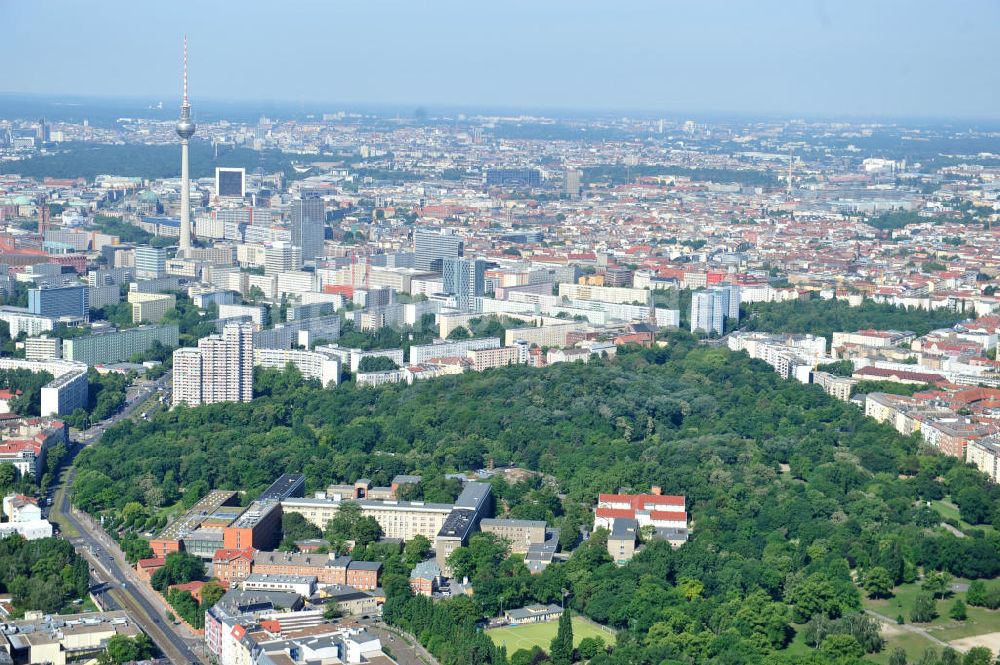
(843, 59)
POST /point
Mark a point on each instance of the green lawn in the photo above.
(948, 510)
(914, 645)
(980, 620)
(541, 634)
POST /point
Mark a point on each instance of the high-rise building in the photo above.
(430, 248)
(308, 224)
(219, 370)
(230, 182)
(513, 178)
(187, 377)
(185, 129)
(707, 313)
(710, 309)
(150, 262)
(571, 182)
(280, 256)
(59, 301)
(465, 278)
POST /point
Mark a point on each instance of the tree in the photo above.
(973, 505)
(958, 611)
(898, 656)
(937, 583)
(179, 568)
(924, 608)
(211, 593)
(877, 582)
(561, 649)
(459, 333)
(122, 649)
(377, 364)
(590, 647)
(978, 656)
(416, 549)
(332, 611)
(976, 595)
(842, 647)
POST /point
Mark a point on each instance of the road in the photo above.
(116, 583)
(405, 649)
(907, 627)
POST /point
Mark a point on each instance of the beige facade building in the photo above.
(150, 306)
(398, 519)
(521, 534)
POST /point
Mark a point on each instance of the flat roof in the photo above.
(189, 521)
(282, 488)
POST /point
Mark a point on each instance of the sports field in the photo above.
(541, 634)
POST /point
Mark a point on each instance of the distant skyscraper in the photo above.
(430, 248)
(230, 182)
(219, 370)
(308, 225)
(185, 129)
(571, 182)
(465, 278)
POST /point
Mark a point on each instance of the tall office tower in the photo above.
(230, 182)
(430, 248)
(58, 301)
(308, 224)
(150, 262)
(465, 278)
(571, 182)
(707, 313)
(280, 256)
(219, 370)
(185, 129)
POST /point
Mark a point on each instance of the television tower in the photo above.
(185, 129)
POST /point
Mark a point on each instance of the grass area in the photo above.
(980, 620)
(541, 634)
(55, 514)
(914, 645)
(948, 510)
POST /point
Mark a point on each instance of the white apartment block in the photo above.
(312, 364)
(222, 365)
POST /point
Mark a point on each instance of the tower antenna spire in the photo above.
(186, 70)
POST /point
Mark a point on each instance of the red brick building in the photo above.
(233, 566)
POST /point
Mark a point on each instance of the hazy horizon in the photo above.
(848, 59)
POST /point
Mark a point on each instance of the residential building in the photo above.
(116, 346)
(232, 566)
(465, 279)
(521, 534)
(150, 307)
(220, 370)
(280, 256)
(313, 365)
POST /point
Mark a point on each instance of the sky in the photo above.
(794, 58)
